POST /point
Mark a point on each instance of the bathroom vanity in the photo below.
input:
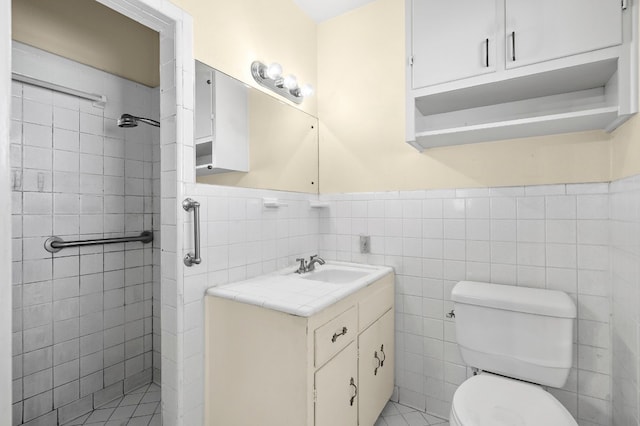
(301, 349)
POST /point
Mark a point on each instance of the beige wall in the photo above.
(230, 34)
(89, 33)
(361, 76)
(625, 150)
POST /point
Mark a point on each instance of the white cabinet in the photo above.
(375, 367)
(336, 390)
(465, 49)
(549, 29)
(221, 127)
(269, 368)
(554, 67)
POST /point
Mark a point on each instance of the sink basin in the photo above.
(336, 273)
(335, 276)
(303, 294)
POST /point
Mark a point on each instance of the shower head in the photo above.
(128, 120)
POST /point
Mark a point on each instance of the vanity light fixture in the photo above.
(270, 76)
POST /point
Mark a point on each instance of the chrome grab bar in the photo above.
(55, 244)
(190, 259)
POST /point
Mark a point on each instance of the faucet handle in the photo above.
(303, 267)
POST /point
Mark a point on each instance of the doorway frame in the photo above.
(177, 164)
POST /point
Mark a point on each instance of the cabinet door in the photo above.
(336, 387)
(203, 103)
(551, 29)
(452, 40)
(231, 112)
(376, 368)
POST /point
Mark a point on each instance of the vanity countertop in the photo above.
(300, 295)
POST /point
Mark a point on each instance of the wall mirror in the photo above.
(247, 138)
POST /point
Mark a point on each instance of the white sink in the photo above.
(336, 273)
(335, 276)
(303, 294)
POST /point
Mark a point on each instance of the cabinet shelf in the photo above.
(591, 119)
(577, 98)
(520, 85)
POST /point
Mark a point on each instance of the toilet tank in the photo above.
(520, 332)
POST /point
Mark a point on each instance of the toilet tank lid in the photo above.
(521, 299)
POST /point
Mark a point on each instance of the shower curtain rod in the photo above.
(99, 100)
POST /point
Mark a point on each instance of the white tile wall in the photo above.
(625, 275)
(176, 60)
(83, 317)
(552, 236)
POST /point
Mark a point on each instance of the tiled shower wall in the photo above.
(83, 327)
(554, 236)
(625, 274)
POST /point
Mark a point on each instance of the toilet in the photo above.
(518, 338)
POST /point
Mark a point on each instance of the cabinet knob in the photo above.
(380, 360)
(486, 58)
(336, 335)
(375, 370)
(355, 391)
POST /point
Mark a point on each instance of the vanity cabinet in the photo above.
(221, 122)
(487, 70)
(333, 368)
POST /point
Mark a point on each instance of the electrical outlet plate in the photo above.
(365, 244)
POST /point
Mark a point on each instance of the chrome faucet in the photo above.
(309, 266)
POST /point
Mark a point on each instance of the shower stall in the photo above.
(86, 242)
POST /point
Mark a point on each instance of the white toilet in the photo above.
(519, 338)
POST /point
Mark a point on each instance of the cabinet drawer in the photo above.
(374, 306)
(335, 335)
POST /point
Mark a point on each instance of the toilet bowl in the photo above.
(524, 336)
(490, 400)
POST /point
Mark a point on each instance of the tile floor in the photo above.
(140, 407)
(395, 414)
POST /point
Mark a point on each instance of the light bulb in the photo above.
(306, 90)
(290, 82)
(274, 71)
